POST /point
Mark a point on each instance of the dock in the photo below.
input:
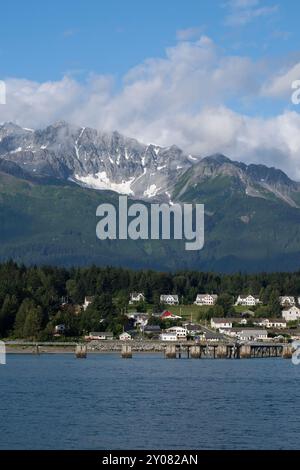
(170, 350)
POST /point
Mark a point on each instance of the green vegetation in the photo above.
(34, 300)
(55, 224)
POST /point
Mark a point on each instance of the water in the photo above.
(148, 402)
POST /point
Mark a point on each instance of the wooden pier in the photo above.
(227, 350)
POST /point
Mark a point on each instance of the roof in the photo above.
(248, 295)
(101, 333)
(287, 297)
(211, 335)
(249, 330)
(214, 296)
(174, 296)
(192, 327)
(222, 320)
(166, 313)
(153, 328)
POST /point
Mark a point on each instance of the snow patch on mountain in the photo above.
(101, 181)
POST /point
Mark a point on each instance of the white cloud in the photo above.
(242, 12)
(189, 33)
(281, 85)
(184, 99)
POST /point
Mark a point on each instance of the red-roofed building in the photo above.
(166, 315)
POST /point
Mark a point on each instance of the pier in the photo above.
(227, 351)
(170, 350)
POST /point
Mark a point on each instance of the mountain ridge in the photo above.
(111, 161)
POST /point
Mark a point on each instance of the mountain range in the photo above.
(52, 180)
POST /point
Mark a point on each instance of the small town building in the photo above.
(211, 336)
(169, 299)
(136, 297)
(247, 300)
(168, 336)
(179, 331)
(88, 300)
(221, 323)
(152, 329)
(291, 314)
(287, 301)
(140, 320)
(248, 334)
(99, 335)
(166, 315)
(125, 336)
(270, 323)
(192, 329)
(206, 299)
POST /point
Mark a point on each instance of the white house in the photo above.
(270, 323)
(179, 331)
(287, 301)
(291, 314)
(252, 335)
(169, 299)
(88, 301)
(168, 336)
(221, 323)
(247, 300)
(136, 297)
(125, 336)
(99, 335)
(206, 299)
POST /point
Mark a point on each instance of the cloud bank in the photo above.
(192, 97)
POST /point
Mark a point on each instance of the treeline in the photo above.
(35, 299)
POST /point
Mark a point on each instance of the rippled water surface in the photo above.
(148, 402)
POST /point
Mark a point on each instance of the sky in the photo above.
(209, 76)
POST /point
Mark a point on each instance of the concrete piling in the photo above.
(170, 351)
(81, 351)
(126, 351)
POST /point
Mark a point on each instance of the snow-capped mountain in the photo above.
(111, 161)
(98, 160)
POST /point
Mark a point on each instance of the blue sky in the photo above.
(209, 76)
(45, 40)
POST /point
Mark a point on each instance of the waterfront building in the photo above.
(179, 331)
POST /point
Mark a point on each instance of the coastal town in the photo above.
(244, 326)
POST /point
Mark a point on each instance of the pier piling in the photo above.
(126, 351)
(245, 351)
(287, 352)
(195, 352)
(221, 351)
(170, 351)
(81, 351)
